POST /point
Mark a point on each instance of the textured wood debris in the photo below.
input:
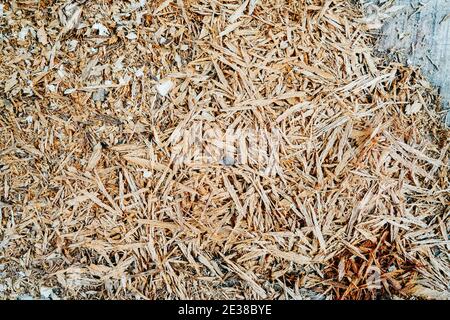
(92, 204)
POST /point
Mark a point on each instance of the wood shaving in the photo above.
(352, 201)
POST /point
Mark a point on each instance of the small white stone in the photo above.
(138, 19)
(178, 59)
(61, 71)
(99, 95)
(118, 65)
(69, 91)
(72, 45)
(102, 30)
(23, 33)
(139, 72)
(137, 5)
(28, 91)
(227, 161)
(414, 108)
(51, 87)
(47, 293)
(132, 36)
(124, 80)
(284, 45)
(162, 40)
(164, 87)
(147, 174)
(29, 119)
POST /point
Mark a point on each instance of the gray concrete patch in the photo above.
(418, 34)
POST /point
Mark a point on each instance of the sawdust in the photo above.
(352, 201)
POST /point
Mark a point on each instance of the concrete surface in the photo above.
(418, 33)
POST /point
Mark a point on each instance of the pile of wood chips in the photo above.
(93, 206)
